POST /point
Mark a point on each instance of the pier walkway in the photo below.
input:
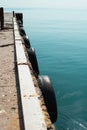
(9, 100)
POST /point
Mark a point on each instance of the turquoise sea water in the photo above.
(60, 40)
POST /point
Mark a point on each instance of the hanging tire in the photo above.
(26, 42)
(49, 96)
(22, 31)
(33, 60)
(20, 24)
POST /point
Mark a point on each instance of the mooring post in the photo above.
(2, 18)
(13, 14)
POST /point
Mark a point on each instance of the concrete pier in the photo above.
(9, 100)
(11, 115)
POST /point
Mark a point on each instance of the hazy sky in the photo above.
(45, 3)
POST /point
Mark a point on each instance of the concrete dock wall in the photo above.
(32, 112)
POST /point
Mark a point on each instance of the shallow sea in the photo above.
(60, 40)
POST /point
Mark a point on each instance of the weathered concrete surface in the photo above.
(9, 101)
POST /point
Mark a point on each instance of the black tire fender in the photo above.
(49, 96)
(22, 31)
(20, 24)
(33, 60)
(26, 41)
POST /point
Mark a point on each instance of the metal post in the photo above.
(13, 13)
(2, 17)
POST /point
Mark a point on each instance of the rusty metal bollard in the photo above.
(1, 18)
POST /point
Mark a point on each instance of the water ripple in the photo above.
(67, 122)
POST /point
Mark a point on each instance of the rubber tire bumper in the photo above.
(26, 42)
(33, 59)
(20, 24)
(49, 96)
(22, 31)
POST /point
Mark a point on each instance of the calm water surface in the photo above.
(60, 40)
